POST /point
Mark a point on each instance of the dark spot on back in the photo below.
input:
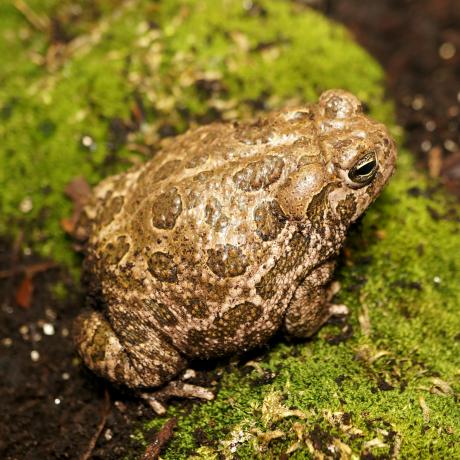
(239, 317)
(197, 308)
(115, 251)
(162, 267)
(203, 176)
(166, 209)
(193, 199)
(161, 313)
(269, 219)
(259, 174)
(257, 132)
(308, 160)
(213, 215)
(227, 261)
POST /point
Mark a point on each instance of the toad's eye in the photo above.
(364, 169)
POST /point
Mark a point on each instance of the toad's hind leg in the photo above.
(150, 364)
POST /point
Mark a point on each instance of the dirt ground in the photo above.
(53, 408)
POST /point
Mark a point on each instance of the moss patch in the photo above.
(93, 90)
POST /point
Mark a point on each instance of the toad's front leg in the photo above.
(310, 307)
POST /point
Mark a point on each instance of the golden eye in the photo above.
(364, 169)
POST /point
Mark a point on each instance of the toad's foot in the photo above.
(334, 309)
(177, 388)
(338, 310)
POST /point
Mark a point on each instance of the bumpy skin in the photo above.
(227, 234)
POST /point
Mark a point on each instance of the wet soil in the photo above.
(51, 406)
(55, 409)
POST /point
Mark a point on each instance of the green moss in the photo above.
(390, 387)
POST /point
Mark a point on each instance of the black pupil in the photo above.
(366, 168)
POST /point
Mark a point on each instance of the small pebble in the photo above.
(450, 145)
(426, 146)
(87, 141)
(447, 50)
(64, 332)
(48, 329)
(24, 329)
(430, 126)
(7, 342)
(57, 401)
(418, 102)
(65, 376)
(437, 280)
(34, 355)
(108, 435)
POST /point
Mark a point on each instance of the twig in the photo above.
(104, 413)
(39, 22)
(29, 270)
(14, 256)
(160, 440)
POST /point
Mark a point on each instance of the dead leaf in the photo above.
(79, 191)
(24, 292)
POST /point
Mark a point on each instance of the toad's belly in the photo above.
(246, 324)
(239, 330)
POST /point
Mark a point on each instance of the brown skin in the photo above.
(227, 234)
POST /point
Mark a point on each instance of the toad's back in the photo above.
(192, 236)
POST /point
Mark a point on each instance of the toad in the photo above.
(226, 235)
